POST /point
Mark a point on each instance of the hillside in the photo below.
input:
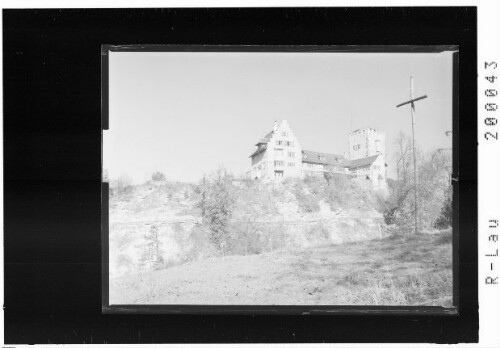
(297, 242)
(268, 217)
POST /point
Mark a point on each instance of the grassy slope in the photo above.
(412, 270)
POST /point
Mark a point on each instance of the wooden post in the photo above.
(412, 110)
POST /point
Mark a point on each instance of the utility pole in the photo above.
(412, 102)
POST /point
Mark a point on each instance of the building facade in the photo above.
(367, 155)
(279, 155)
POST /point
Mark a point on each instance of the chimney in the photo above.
(275, 128)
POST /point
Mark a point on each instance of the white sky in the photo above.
(187, 113)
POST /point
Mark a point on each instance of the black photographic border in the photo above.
(52, 168)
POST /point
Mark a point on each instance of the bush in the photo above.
(308, 192)
(445, 238)
(120, 186)
(347, 193)
(216, 204)
(308, 203)
(245, 238)
(433, 188)
(445, 219)
(158, 177)
(252, 237)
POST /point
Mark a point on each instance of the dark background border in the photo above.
(52, 163)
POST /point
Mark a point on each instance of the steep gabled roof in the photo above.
(363, 162)
(329, 158)
(334, 159)
(260, 149)
(266, 138)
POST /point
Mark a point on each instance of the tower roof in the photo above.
(363, 162)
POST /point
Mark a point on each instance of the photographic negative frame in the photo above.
(256, 308)
(318, 27)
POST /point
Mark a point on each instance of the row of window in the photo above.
(377, 146)
(281, 152)
(320, 157)
(282, 164)
(284, 143)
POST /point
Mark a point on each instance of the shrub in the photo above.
(445, 219)
(245, 238)
(433, 187)
(347, 193)
(308, 193)
(252, 237)
(158, 177)
(216, 204)
(445, 238)
(120, 186)
(308, 203)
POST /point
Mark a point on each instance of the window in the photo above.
(278, 174)
(356, 147)
(322, 158)
(278, 152)
(289, 143)
(304, 156)
(291, 154)
(284, 134)
(279, 142)
(291, 164)
(279, 163)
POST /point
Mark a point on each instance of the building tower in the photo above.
(369, 144)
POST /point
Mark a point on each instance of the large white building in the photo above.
(279, 155)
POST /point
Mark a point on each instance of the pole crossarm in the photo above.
(412, 101)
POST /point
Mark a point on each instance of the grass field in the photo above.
(403, 270)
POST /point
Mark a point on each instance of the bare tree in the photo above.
(434, 188)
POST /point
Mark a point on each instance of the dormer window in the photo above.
(322, 158)
(304, 156)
